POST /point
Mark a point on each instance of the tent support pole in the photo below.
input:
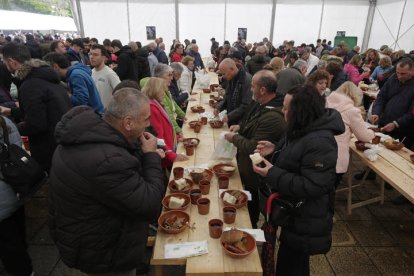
(399, 26)
(129, 25)
(272, 22)
(320, 21)
(177, 20)
(78, 8)
(225, 20)
(368, 25)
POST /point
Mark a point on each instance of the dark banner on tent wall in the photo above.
(242, 33)
(151, 33)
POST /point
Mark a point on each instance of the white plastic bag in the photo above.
(224, 149)
(202, 80)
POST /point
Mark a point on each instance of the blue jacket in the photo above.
(378, 71)
(198, 61)
(83, 88)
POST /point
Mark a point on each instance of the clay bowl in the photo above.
(412, 157)
(179, 215)
(216, 124)
(191, 142)
(360, 145)
(376, 140)
(193, 123)
(241, 201)
(173, 187)
(249, 244)
(198, 109)
(394, 145)
(220, 171)
(166, 201)
(206, 90)
(198, 176)
(216, 85)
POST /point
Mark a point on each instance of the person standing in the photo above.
(105, 78)
(106, 185)
(262, 121)
(82, 87)
(302, 170)
(42, 101)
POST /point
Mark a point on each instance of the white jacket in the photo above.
(186, 79)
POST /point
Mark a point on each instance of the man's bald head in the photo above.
(228, 68)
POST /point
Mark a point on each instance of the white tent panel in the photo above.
(202, 21)
(298, 21)
(160, 13)
(350, 17)
(255, 16)
(385, 25)
(13, 20)
(105, 19)
(406, 35)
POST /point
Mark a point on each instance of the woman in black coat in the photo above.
(303, 169)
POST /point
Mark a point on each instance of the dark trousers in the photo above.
(254, 207)
(291, 262)
(13, 247)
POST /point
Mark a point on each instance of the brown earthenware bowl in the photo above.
(166, 201)
(170, 215)
(173, 188)
(241, 201)
(249, 244)
(219, 171)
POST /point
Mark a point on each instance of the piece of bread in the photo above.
(181, 184)
(256, 158)
(176, 202)
(228, 168)
(229, 198)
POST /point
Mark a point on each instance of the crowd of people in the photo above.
(104, 121)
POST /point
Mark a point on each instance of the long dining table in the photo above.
(215, 262)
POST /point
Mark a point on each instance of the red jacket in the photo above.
(162, 124)
(176, 57)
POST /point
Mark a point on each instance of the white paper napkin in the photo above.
(258, 234)
(186, 249)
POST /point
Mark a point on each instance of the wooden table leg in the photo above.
(158, 270)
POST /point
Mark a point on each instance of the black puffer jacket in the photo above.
(305, 170)
(43, 101)
(127, 64)
(103, 193)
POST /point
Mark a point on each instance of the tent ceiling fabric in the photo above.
(294, 19)
(34, 21)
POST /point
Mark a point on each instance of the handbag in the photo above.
(277, 210)
(19, 169)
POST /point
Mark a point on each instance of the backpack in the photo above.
(19, 169)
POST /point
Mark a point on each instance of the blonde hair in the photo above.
(352, 91)
(276, 65)
(155, 88)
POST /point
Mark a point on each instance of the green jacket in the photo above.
(264, 122)
(173, 109)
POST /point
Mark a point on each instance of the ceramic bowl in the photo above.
(248, 243)
(173, 188)
(168, 221)
(220, 170)
(241, 201)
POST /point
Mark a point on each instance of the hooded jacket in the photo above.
(83, 88)
(304, 169)
(103, 194)
(256, 63)
(143, 64)
(43, 101)
(354, 124)
(127, 68)
(73, 57)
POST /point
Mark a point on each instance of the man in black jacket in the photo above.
(106, 185)
(238, 94)
(42, 101)
(127, 68)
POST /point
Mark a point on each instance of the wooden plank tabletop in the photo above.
(395, 167)
(215, 262)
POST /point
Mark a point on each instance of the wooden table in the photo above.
(216, 262)
(394, 167)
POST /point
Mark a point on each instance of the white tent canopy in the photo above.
(13, 20)
(374, 22)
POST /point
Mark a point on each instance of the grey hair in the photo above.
(161, 70)
(322, 64)
(300, 63)
(307, 50)
(177, 67)
(125, 101)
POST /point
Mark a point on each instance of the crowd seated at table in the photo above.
(297, 105)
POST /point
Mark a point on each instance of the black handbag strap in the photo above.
(5, 131)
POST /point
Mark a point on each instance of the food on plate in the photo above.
(194, 141)
(256, 158)
(176, 202)
(174, 222)
(228, 168)
(181, 184)
(229, 198)
(235, 241)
